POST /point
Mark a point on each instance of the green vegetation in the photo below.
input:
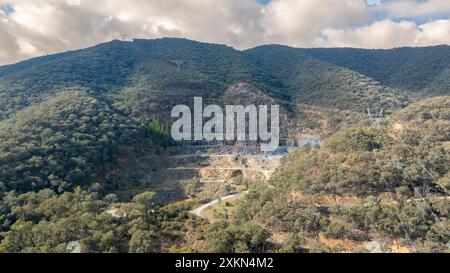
(45, 221)
(310, 80)
(141, 76)
(412, 69)
(222, 237)
(159, 133)
(222, 210)
(71, 139)
(391, 181)
(79, 132)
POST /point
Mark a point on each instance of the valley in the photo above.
(209, 168)
(87, 156)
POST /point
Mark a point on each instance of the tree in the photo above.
(146, 199)
(141, 242)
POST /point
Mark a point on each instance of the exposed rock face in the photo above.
(217, 174)
(213, 173)
(224, 168)
(245, 94)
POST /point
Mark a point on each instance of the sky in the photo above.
(30, 28)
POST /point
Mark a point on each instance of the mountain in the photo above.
(410, 69)
(134, 82)
(387, 185)
(86, 152)
(342, 78)
(310, 80)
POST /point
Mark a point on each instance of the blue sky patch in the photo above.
(373, 2)
(7, 8)
(263, 2)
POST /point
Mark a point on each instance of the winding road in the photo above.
(198, 211)
(267, 173)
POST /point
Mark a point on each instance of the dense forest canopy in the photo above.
(391, 180)
(341, 78)
(74, 126)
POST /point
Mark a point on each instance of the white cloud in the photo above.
(54, 25)
(381, 34)
(388, 34)
(48, 26)
(434, 33)
(299, 22)
(73, 2)
(373, 2)
(415, 8)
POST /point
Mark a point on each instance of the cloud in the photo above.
(415, 8)
(373, 2)
(387, 34)
(49, 26)
(434, 33)
(299, 22)
(30, 28)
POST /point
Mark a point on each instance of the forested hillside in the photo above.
(81, 134)
(307, 79)
(341, 78)
(389, 184)
(410, 69)
(67, 140)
